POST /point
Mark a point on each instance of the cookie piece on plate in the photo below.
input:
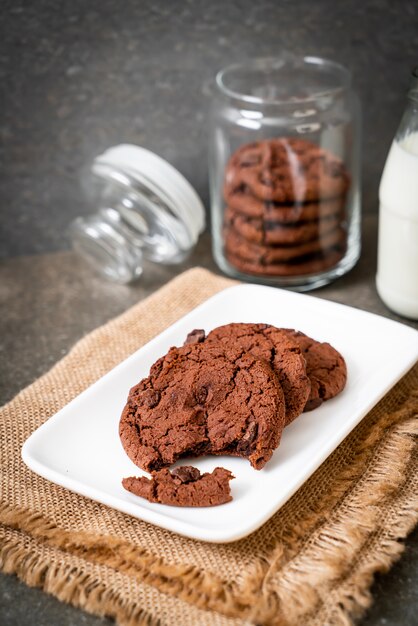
(183, 486)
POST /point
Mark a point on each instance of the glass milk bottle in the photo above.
(397, 266)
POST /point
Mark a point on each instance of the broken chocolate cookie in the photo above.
(204, 398)
(184, 486)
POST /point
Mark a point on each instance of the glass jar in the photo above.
(285, 171)
(145, 209)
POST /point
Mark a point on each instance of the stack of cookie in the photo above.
(285, 208)
(228, 393)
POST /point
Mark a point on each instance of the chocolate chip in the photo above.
(186, 473)
(270, 226)
(241, 188)
(195, 336)
(249, 436)
(199, 417)
(312, 403)
(269, 205)
(335, 169)
(151, 398)
(201, 395)
(250, 160)
(266, 180)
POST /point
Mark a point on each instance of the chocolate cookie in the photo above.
(266, 342)
(184, 486)
(325, 367)
(287, 170)
(240, 199)
(301, 267)
(268, 255)
(266, 232)
(203, 399)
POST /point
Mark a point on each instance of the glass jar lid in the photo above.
(146, 210)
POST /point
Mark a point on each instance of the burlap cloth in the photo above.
(311, 564)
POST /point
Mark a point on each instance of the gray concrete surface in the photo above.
(77, 77)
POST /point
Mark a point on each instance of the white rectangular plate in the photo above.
(79, 447)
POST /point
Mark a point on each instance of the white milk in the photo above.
(397, 269)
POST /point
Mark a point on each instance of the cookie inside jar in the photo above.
(285, 208)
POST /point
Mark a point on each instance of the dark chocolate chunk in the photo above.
(195, 336)
(186, 473)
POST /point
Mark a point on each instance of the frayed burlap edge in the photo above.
(268, 588)
(384, 476)
(69, 584)
(76, 581)
(330, 568)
